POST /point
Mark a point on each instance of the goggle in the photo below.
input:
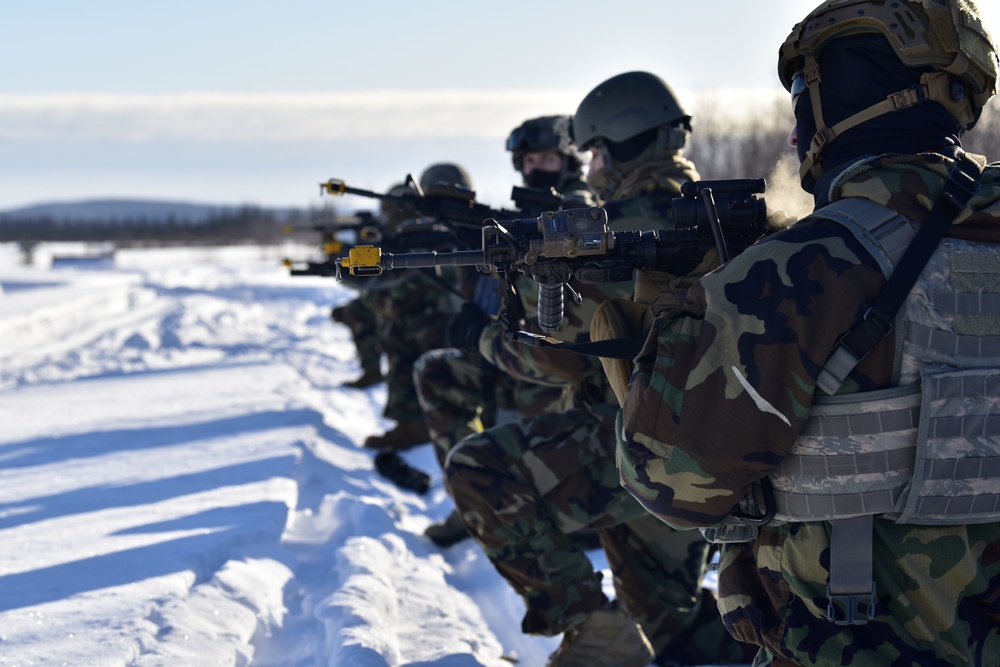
(798, 87)
(534, 137)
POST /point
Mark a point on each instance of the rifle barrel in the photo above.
(422, 260)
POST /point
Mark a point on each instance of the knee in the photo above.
(431, 369)
(474, 456)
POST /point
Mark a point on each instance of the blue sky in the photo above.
(256, 101)
(308, 45)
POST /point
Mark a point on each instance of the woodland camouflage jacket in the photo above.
(723, 388)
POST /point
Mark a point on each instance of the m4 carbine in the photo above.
(577, 243)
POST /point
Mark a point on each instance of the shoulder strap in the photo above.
(878, 320)
(615, 348)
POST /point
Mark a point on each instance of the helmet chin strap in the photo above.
(669, 140)
(606, 181)
(934, 87)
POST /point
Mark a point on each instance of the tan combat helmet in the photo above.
(947, 35)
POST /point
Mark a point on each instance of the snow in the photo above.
(182, 481)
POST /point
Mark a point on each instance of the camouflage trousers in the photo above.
(937, 599)
(407, 333)
(462, 394)
(522, 488)
(404, 340)
(359, 316)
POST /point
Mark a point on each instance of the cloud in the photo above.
(273, 117)
(289, 117)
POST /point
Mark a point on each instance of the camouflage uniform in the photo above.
(724, 387)
(524, 487)
(361, 314)
(463, 393)
(412, 305)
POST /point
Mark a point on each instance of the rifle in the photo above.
(450, 203)
(535, 201)
(577, 243)
(337, 236)
(409, 239)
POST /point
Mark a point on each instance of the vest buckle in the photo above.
(844, 609)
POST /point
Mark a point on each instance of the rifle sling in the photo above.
(614, 348)
(879, 319)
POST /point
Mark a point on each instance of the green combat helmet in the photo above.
(446, 173)
(630, 118)
(946, 35)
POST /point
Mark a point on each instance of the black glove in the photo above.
(465, 327)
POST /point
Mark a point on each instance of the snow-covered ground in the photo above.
(181, 480)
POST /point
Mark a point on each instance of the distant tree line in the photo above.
(750, 146)
(239, 226)
(755, 145)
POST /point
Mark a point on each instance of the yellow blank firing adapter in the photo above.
(334, 186)
(363, 260)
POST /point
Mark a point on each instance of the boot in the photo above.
(406, 434)
(392, 466)
(448, 532)
(606, 638)
(367, 379)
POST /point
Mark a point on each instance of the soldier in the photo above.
(844, 371)
(412, 304)
(460, 391)
(359, 314)
(543, 153)
(523, 488)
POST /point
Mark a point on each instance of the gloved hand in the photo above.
(465, 327)
(664, 291)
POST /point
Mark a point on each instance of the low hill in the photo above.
(120, 210)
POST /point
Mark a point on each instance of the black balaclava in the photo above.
(859, 71)
(543, 179)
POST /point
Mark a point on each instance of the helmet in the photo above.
(543, 134)
(400, 189)
(444, 172)
(944, 35)
(625, 106)
(630, 120)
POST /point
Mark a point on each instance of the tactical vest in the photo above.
(926, 451)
